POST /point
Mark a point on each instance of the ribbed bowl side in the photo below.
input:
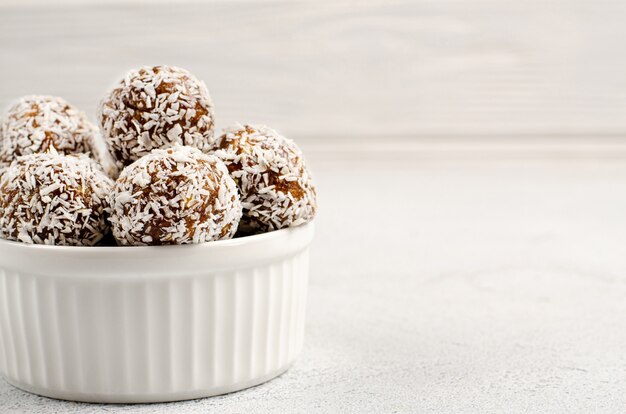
(134, 339)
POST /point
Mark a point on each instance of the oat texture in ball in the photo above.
(154, 108)
(50, 198)
(177, 195)
(36, 123)
(270, 171)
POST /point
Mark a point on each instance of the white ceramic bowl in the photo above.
(149, 324)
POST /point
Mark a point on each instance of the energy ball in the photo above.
(274, 183)
(154, 108)
(36, 123)
(51, 198)
(177, 195)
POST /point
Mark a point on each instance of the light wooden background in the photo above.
(334, 70)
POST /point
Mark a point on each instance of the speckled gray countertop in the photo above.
(449, 286)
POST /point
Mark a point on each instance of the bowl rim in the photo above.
(255, 238)
(164, 260)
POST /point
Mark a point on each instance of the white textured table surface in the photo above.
(451, 284)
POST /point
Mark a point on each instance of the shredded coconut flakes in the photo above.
(270, 171)
(36, 123)
(156, 107)
(50, 198)
(174, 196)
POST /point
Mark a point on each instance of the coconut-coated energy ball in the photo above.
(156, 107)
(36, 123)
(273, 179)
(177, 195)
(51, 198)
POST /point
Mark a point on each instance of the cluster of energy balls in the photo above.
(151, 173)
